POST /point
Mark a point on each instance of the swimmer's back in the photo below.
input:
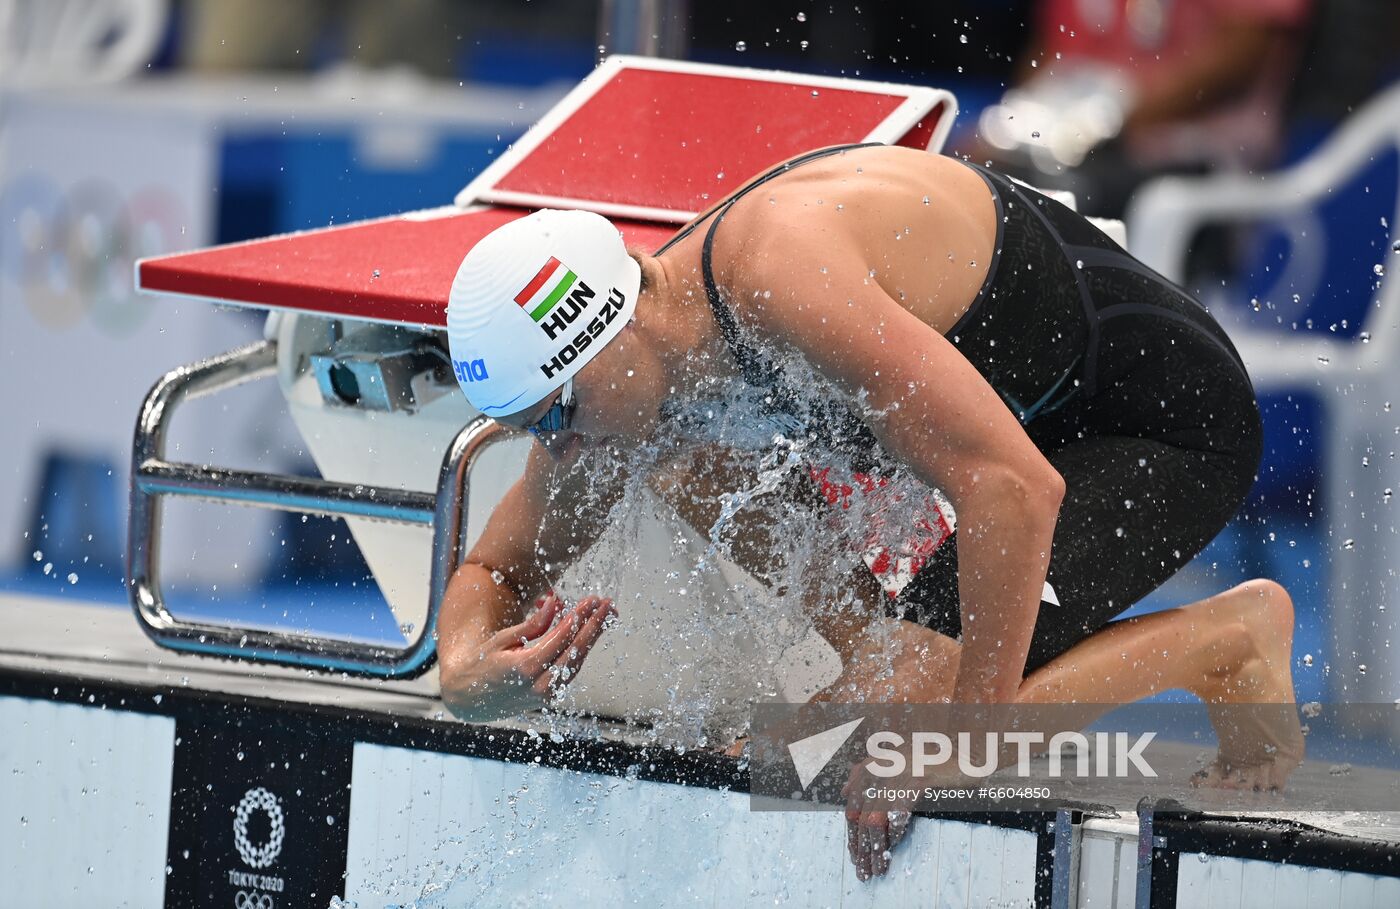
(924, 224)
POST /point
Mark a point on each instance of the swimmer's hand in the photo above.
(877, 819)
(527, 665)
(873, 828)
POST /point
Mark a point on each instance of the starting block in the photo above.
(649, 143)
(355, 339)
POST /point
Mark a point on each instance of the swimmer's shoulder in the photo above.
(853, 191)
(846, 199)
(826, 229)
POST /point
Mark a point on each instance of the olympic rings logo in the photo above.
(244, 899)
(68, 253)
(258, 799)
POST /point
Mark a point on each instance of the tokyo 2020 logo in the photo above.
(258, 856)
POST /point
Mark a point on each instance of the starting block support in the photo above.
(154, 477)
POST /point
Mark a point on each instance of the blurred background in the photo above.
(1251, 146)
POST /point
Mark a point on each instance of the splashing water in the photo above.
(773, 470)
(691, 623)
(703, 624)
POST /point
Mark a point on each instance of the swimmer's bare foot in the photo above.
(1250, 696)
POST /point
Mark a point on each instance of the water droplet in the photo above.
(1307, 659)
(741, 46)
(1395, 247)
(1323, 360)
(1385, 496)
(374, 274)
(962, 39)
(925, 200)
(406, 628)
(1361, 669)
(330, 820)
(801, 17)
(1348, 544)
(48, 568)
(72, 577)
(802, 44)
(1379, 269)
(1254, 303)
(815, 93)
(240, 755)
(1365, 337)
(1035, 134)
(38, 555)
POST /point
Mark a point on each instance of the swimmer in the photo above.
(1091, 424)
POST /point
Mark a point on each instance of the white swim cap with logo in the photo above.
(533, 303)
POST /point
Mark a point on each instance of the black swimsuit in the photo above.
(1123, 381)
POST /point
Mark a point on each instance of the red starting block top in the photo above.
(663, 140)
(396, 270)
(648, 142)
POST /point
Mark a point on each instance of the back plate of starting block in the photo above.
(663, 140)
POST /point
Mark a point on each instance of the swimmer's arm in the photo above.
(503, 570)
(531, 537)
(935, 412)
(540, 528)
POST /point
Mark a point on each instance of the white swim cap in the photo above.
(534, 302)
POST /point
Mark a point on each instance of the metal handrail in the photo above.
(153, 477)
